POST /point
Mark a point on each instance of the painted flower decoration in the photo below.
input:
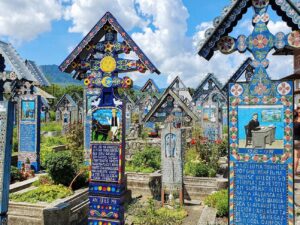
(260, 41)
(226, 45)
(260, 89)
(294, 39)
(87, 81)
(284, 88)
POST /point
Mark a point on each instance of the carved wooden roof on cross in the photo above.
(259, 43)
(96, 59)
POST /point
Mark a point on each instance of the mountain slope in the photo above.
(55, 76)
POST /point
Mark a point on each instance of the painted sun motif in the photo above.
(108, 64)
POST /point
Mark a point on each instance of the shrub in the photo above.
(52, 115)
(15, 174)
(43, 180)
(148, 158)
(44, 193)
(75, 143)
(218, 200)
(212, 172)
(60, 167)
(196, 169)
(47, 143)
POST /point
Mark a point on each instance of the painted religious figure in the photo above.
(170, 145)
(28, 110)
(106, 125)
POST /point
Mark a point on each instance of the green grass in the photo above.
(218, 200)
(44, 193)
(51, 126)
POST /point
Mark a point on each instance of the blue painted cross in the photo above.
(106, 65)
(260, 42)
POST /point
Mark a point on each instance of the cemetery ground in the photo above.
(64, 174)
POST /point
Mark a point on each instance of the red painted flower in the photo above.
(260, 89)
(193, 141)
(294, 39)
(260, 41)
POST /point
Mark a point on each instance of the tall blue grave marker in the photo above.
(260, 116)
(6, 133)
(96, 61)
(11, 85)
(29, 131)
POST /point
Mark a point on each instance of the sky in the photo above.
(168, 31)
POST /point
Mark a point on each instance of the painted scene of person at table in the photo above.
(260, 127)
(106, 125)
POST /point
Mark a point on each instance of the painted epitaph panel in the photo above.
(261, 155)
(171, 154)
(29, 131)
(6, 133)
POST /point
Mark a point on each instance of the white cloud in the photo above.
(24, 20)
(278, 26)
(163, 37)
(85, 13)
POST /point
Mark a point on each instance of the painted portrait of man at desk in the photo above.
(253, 124)
(259, 127)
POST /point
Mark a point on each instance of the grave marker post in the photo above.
(96, 60)
(260, 117)
(172, 158)
(29, 131)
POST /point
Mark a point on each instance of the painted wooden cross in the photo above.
(96, 60)
(259, 43)
(260, 116)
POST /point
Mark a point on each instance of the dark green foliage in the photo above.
(148, 158)
(58, 91)
(15, 174)
(75, 143)
(218, 200)
(44, 193)
(60, 167)
(52, 115)
(47, 143)
(196, 169)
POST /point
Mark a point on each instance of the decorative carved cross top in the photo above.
(105, 65)
(260, 42)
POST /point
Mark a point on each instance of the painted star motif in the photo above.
(108, 47)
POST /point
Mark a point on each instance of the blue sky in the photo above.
(168, 31)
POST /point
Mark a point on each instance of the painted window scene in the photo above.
(28, 109)
(106, 125)
(260, 127)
